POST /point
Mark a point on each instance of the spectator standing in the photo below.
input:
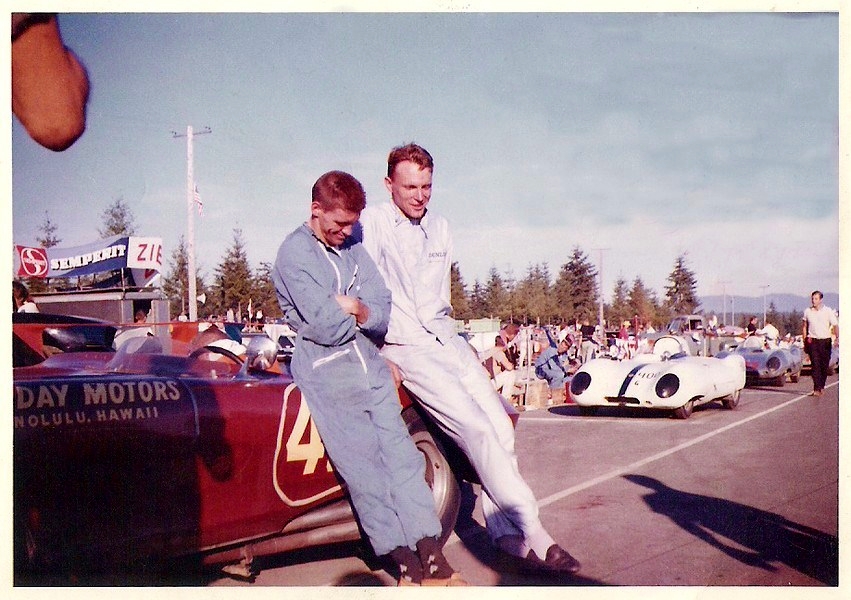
(753, 325)
(588, 345)
(820, 327)
(623, 340)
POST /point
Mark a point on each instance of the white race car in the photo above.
(667, 379)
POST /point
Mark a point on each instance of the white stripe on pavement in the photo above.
(665, 453)
(453, 539)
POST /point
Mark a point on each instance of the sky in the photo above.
(636, 137)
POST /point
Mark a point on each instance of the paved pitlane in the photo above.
(746, 497)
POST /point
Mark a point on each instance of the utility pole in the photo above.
(600, 273)
(733, 311)
(724, 302)
(190, 218)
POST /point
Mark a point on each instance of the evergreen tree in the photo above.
(264, 297)
(512, 306)
(772, 316)
(496, 296)
(458, 291)
(619, 311)
(175, 284)
(117, 219)
(642, 302)
(563, 295)
(233, 282)
(681, 291)
(47, 238)
(581, 279)
(478, 305)
(533, 301)
(791, 323)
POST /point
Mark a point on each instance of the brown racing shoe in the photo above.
(557, 560)
(437, 572)
(408, 563)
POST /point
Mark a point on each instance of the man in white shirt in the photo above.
(818, 321)
(413, 250)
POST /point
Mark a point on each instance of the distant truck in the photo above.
(116, 305)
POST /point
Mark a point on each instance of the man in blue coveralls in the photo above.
(549, 366)
(333, 296)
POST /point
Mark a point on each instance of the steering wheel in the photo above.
(216, 350)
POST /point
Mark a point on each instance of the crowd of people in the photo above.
(553, 354)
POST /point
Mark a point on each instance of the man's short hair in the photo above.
(817, 293)
(412, 152)
(337, 189)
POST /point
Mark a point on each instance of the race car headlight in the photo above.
(773, 363)
(580, 383)
(667, 385)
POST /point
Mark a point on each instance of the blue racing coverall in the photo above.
(349, 388)
(548, 366)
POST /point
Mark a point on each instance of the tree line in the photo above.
(573, 296)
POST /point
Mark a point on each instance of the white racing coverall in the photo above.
(440, 367)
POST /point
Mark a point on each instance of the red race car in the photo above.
(151, 456)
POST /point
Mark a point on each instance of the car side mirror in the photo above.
(65, 339)
(261, 353)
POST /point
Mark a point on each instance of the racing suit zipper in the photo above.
(326, 359)
(335, 355)
(360, 356)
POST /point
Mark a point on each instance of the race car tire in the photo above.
(684, 412)
(732, 401)
(216, 350)
(438, 473)
(794, 377)
(779, 381)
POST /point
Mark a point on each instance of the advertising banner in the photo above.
(143, 255)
